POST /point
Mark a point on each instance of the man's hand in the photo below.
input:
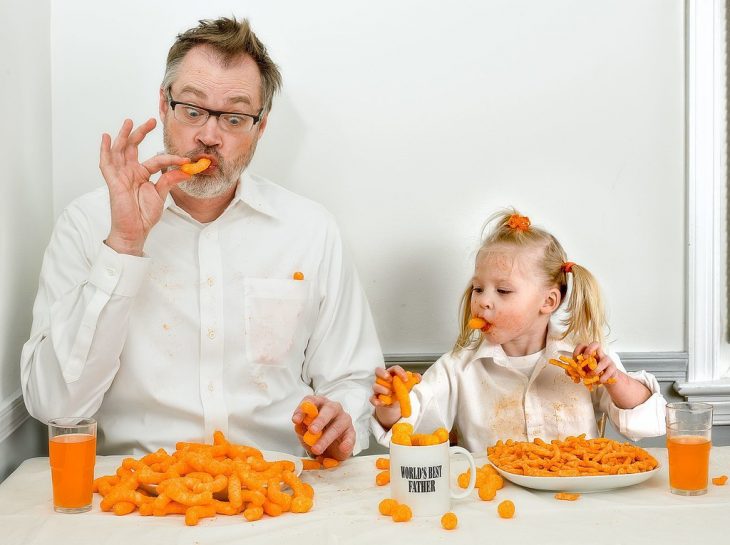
(338, 437)
(136, 203)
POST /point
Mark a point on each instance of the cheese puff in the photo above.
(719, 481)
(495, 480)
(195, 168)
(402, 427)
(476, 323)
(401, 394)
(123, 508)
(309, 409)
(219, 483)
(382, 478)
(506, 509)
(463, 479)
(242, 452)
(329, 463)
(487, 493)
(171, 508)
(197, 512)
(253, 498)
(271, 509)
(386, 506)
(308, 490)
(235, 498)
(145, 510)
(253, 512)
(382, 463)
(219, 438)
(102, 485)
(385, 399)
(275, 495)
(384, 382)
(183, 495)
(301, 504)
(155, 457)
(309, 464)
(122, 494)
(566, 496)
(311, 438)
(294, 483)
(201, 476)
(442, 434)
(401, 439)
(402, 513)
(159, 503)
(449, 521)
(226, 507)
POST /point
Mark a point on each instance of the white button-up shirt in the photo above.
(208, 331)
(488, 400)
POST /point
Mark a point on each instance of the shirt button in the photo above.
(111, 271)
(211, 334)
(211, 281)
(211, 387)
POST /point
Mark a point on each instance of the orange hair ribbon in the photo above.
(520, 223)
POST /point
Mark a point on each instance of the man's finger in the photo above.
(158, 162)
(168, 180)
(138, 134)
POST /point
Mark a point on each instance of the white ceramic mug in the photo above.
(420, 477)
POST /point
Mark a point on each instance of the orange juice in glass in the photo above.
(72, 455)
(689, 428)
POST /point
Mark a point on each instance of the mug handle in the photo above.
(472, 472)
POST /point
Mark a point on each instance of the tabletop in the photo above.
(346, 511)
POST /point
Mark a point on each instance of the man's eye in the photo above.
(234, 121)
(192, 113)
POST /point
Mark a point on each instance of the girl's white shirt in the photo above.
(488, 400)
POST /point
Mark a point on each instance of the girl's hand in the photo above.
(625, 392)
(387, 415)
(606, 367)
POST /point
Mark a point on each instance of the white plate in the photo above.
(269, 456)
(586, 483)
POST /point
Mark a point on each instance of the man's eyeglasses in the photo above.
(190, 114)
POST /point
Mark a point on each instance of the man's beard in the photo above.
(227, 174)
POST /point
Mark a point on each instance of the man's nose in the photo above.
(209, 133)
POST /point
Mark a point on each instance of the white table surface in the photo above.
(346, 511)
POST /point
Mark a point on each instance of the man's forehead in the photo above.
(204, 73)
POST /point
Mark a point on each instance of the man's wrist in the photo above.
(125, 247)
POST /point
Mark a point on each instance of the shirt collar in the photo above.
(248, 192)
(554, 344)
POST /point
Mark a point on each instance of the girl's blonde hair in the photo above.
(585, 321)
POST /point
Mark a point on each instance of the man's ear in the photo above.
(262, 124)
(551, 302)
(164, 105)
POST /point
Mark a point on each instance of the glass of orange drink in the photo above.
(72, 454)
(689, 429)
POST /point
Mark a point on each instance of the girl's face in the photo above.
(509, 293)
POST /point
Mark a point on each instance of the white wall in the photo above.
(26, 209)
(414, 120)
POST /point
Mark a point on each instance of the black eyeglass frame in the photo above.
(215, 113)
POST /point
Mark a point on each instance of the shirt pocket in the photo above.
(279, 317)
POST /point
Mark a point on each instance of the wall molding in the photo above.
(665, 366)
(12, 415)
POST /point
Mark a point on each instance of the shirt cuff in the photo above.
(645, 420)
(118, 274)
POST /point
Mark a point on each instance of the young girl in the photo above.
(497, 382)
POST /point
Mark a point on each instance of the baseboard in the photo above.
(665, 366)
(12, 415)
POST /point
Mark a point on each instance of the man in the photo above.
(171, 309)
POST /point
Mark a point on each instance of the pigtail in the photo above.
(466, 338)
(586, 319)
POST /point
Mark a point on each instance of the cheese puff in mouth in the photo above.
(479, 323)
(196, 168)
